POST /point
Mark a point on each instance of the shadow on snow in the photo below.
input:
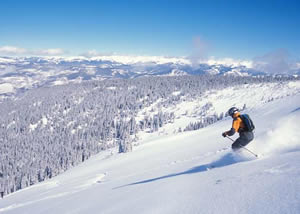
(228, 159)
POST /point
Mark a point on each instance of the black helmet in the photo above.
(232, 110)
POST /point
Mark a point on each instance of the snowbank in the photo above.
(6, 88)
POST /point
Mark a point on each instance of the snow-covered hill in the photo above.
(189, 172)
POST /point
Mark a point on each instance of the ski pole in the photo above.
(244, 147)
(250, 152)
(230, 138)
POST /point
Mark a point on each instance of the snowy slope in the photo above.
(173, 174)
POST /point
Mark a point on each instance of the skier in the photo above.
(238, 125)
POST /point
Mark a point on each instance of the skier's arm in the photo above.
(230, 132)
(235, 127)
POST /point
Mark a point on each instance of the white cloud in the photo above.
(91, 53)
(127, 59)
(277, 61)
(94, 53)
(199, 50)
(229, 62)
(49, 52)
(11, 50)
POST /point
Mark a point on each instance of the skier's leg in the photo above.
(243, 140)
(237, 144)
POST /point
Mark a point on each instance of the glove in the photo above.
(224, 134)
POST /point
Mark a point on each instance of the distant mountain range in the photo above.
(22, 73)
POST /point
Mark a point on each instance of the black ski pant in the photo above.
(243, 140)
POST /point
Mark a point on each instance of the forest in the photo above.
(45, 131)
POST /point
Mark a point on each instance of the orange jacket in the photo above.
(237, 124)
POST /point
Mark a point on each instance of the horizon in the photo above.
(132, 59)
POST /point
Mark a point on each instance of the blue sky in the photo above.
(221, 28)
